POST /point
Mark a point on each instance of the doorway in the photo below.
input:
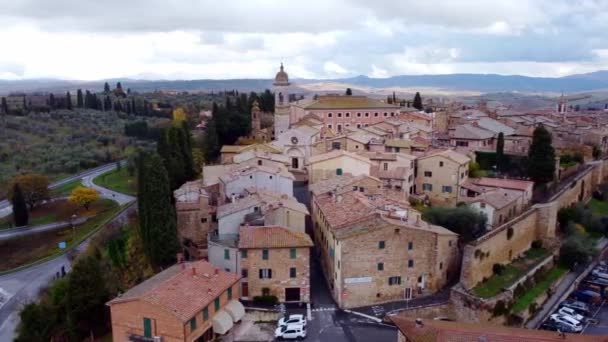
(292, 294)
(245, 289)
(295, 163)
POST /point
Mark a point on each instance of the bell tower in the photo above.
(255, 117)
(281, 87)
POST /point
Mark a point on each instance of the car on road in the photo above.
(568, 321)
(554, 326)
(570, 312)
(290, 332)
(293, 319)
(580, 307)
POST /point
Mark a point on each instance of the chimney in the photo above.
(419, 323)
(193, 270)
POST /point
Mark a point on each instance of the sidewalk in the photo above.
(380, 310)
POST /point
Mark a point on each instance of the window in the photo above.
(462, 175)
(385, 166)
(147, 327)
(394, 280)
(329, 126)
(410, 263)
(361, 189)
(265, 273)
(265, 254)
(331, 253)
(427, 187)
(355, 188)
(339, 171)
(358, 115)
(381, 245)
(292, 272)
(440, 164)
(292, 253)
(206, 313)
(335, 145)
(376, 114)
(392, 113)
(380, 266)
(440, 265)
(450, 243)
(329, 115)
(446, 188)
(270, 177)
(243, 254)
(339, 115)
(250, 177)
(410, 246)
(385, 114)
(462, 143)
(259, 162)
(348, 115)
(216, 304)
(204, 220)
(428, 174)
(358, 125)
(226, 254)
(366, 115)
(229, 293)
(193, 324)
(244, 273)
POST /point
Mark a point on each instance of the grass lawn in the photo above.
(27, 249)
(599, 207)
(496, 283)
(529, 296)
(66, 188)
(60, 210)
(117, 180)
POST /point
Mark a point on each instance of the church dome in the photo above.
(281, 78)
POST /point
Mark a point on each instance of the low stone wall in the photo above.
(262, 315)
(432, 311)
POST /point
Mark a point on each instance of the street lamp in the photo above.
(72, 219)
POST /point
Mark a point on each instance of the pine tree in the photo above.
(20, 214)
(541, 156)
(158, 227)
(349, 91)
(106, 88)
(417, 101)
(79, 99)
(68, 101)
(500, 151)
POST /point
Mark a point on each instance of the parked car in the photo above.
(576, 326)
(587, 296)
(554, 326)
(292, 319)
(570, 312)
(580, 307)
(290, 332)
(597, 281)
(598, 273)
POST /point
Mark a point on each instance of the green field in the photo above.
(66, 189)
(117, 180)
(599, 207)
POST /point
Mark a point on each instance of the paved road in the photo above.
(7, 234)
(24, 286)
(6, 208)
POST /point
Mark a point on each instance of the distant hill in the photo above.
(485, 83)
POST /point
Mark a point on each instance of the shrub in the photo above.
(499, 309)
(519, 290)
(465, 221)
(537, 244)
(498, 269)
(577, 249)
(514, 320)
(533, 308)
(266, 300)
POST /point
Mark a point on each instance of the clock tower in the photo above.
(281, 88)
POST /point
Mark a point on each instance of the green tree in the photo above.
(52, 101)
(107, 103)
(20, 214)
(106, 88)
(462, 220)
(4, 107)
(36, 324)
(541, 156)
(500, 152)
(79, 99)
(577, 250)
(186, 150)
(157, 216)
(86, 296)
(349, 91)
(68, 101)
(211, 145)
(417, 101)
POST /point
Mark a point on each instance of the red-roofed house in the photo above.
(186, 302)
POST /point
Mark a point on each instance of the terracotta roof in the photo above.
(261, 198)
(504, 183)
(399, 172)
(336, 154)
(245, 170)
(498, 198)
(190, 191)
(449, 154)
(180, 291)
(379, 155)
(349, 102)
(272, 237)
(337, 182)
(232, 148)
(470, 132)
(445, 331)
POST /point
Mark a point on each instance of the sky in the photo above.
(203, 39)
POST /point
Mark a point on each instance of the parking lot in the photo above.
(586, 309)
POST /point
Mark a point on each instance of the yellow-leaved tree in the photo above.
(179, 115)
(83, 196)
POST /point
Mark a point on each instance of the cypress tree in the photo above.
(52, 101)
(68, 101)
(79, 99)
(211, 144)
(417, 101)
(106, 88)
(158, 228)
(4, 106)
(541, 156)
(500, 151)
(107, 103)
(190, 172)
(20, 214)
(349, 91)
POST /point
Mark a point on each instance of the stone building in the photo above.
(396, 170)
(195, 218)
(186, 302)
(267, 178)
(440, 175)
(499, 205)
(374, 249)
(257, 132)
(282, 97)
(336, 163)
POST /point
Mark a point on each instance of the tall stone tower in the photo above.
(281, 102)
(255, 117)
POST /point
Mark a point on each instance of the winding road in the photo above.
(24, 286)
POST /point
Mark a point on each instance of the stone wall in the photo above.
(443, 310)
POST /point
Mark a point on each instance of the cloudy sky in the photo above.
(192, 39)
